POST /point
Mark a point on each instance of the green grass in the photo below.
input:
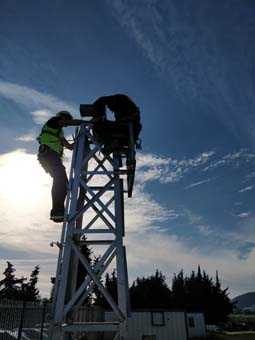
(242, 317)
(232, 336)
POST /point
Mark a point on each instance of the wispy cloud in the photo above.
(143, 212)
(173, 46)
(249, 177)
(40, 116)
(39, 103)
(179, 168)
(192, 185)
(167, 169)
(204, 229)
(244, 214)
(27, 137)
(235, 159)
(248, 188)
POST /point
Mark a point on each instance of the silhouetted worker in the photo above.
(52, 143)
(125, 112)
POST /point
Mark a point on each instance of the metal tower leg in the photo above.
(94, 216)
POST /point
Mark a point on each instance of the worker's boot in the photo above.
(57, 216)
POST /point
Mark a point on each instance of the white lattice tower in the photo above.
(95, 216)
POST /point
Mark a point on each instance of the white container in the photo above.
(196, 325)
(154, 325)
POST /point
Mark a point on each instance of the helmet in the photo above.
(65, 114)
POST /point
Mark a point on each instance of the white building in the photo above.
(196, 325)
(162, 325)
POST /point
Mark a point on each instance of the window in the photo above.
(149, 337)
(191, 322)
(157, 318)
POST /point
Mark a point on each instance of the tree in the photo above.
(200, 292)
(11, 286)
(178, 297)
(52, 291)
(82, 272)
(150, 292)
(111, 286)
(30, 290)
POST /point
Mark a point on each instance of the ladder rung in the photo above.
(99, 242)
(100, 188)
(120, 171)
(91, 327)
(100, 172)
(93, 231)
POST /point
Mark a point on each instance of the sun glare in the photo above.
(22, 181)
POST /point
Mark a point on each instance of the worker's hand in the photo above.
(70, 146)
(66, 144)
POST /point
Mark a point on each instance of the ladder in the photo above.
(94, 216)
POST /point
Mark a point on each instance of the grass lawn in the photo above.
(232, 336)
(242, 318)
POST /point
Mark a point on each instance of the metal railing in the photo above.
(22, 320)
(17, 316)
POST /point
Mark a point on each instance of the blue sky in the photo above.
(190, 68)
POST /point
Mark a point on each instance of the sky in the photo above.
(189, 66)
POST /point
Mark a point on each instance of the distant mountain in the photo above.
(245, 300)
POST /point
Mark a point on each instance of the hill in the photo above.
(245, 300)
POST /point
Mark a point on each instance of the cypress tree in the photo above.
(31, 292)
(150, 292)
(199, 292)
(11, 286)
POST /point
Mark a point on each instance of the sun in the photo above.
(23, 183)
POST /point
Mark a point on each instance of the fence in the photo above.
(30, 321)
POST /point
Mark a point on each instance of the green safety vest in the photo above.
(52, 138)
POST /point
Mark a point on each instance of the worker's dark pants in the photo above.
(52, 164)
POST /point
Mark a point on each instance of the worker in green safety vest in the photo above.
(52, 143)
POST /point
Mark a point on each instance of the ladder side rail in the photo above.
(74, 261)
(70, 225)
(59, 263)
(120, 258)
(131, 161)
(127, 285)
(131, 139)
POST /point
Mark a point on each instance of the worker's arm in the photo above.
(68, 122)
(101, 103)
(66, 144)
